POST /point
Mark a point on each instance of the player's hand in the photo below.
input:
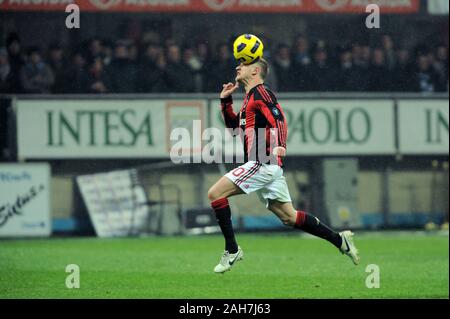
(228, 89)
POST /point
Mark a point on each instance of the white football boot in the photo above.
(348, 247)
(228, 260)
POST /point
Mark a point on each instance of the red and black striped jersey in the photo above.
(260, 114)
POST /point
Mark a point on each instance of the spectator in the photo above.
(301, 52)
(320, 77)
(348, 77)
(98, 80)
(389, 52)
(287, 75)
(169, 42)
(94, 50)
(425, 79)
(440, 64)
(357, 54)
(107, 53)
(122, 71)
(302, 62)
(379, 74)
(6, 75)
(76, 77)
(222, 69)
(152, 71)
(195, 65)
(36, 76)
(362, 54)
(16, 61)
(14, 48)
(401, 75)
(57, 66)
(179, 76)
(203, 53)
(204, 56)
(271, 78)
(366, 56)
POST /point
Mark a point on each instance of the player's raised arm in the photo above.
(228, 90)
(231, 119)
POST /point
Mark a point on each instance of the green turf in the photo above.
(275, 266)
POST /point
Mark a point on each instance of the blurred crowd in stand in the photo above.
(126, 66)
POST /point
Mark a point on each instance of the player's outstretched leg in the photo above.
(218, 195)
(312, 225)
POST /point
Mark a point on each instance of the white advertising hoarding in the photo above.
(423, 127)
(115, 204)
(333, 127)
(142, 128)
(101, 128)
(24, 200)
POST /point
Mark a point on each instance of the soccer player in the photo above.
(263, 174)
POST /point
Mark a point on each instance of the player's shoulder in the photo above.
(264, 94)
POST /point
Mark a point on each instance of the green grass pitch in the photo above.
(412, 265)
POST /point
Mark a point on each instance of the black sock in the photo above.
(314, 226)
(223, 215)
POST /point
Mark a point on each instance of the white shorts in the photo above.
(267, 180)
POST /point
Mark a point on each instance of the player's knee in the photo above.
(288, 221)
(213, 195)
